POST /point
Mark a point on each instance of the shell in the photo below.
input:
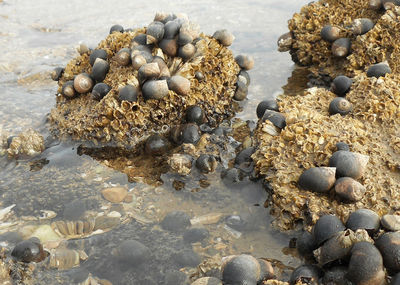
(100, 90)
(307, 273)
(128, 93)
(326, 227)
(138, 60)
(378, 70)
(171, 29)
(116, 28)
(57, 73)
(363, 219)
(341, 47)
(148, 71)
(244, 77)
(74, 229)
(199, 76)
(269, 104)
(179, 84)
(349, 164)
(341, 85)
(28, 251)
(225, 37)
(362, 26)
(187, 51)
(375, 4)
(155, 89)
(139, 39)
(245, 62)
(342, 146)
(194, 114)
(206, 163)
(184, 38)
(83, 83)
(123, 57)
(156, 145)
(154, 32)
(241, 91)
(306, 244)
(365, 266)
(180, 163)
(68, 89)
(275, 118)
(169, 46)
(285, 42)
(349, 189)
(317, 179)
(389, 4)
(340, 105)
(335, 275)
(164, 71)
(97, 53)
(389, 246)
(100, 69)
(143, 50)
(332, 250)
(391, 222)
(330, 33)
(62, 258)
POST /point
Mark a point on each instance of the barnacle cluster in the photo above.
(26, 143)
(212, 72)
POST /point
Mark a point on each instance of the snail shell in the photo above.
(194, 114)
(164, 71)
(155, 145)
(285, 42)
(378, 70)
(309, 274)
(190, 133)
(154, 32)
(179, 85)
(184, 38)
(317, 179)
(363, 219)
(241, 91)
(341, 47)
(62, 258)
(138, 61)
(362, 26)
(225, 37)
(100, 70)
(342, 146)
(341, 85)
(340, 105)
(140, 39)
(187, 51)
(332, 250)
(97, 53)
(128, 93)
(73, 229)
(206, 163)
(336, 276)
(83, 83)
(389, 245)
(116, 28)
(28, 251)
(68, 89)
(123, 57)
(349, 189)
(143, 50)
(269, 104)
(375, 4)
(199, 76)
(169, 46)
(365, 266)
(330, 33)
(148, 71)
(326, 227)
(349, 164)
(245, 62)
(57, 73)
(100, 90)
(306, 244)
(171, 29)
(275, 118)
(390, 4)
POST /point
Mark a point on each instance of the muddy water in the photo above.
(38, 36)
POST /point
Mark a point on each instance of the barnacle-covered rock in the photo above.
(27, 143)
(127, 124)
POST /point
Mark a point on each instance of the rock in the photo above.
(132, 253)
(195, 235)
(391, 222)
(187, 258)
(176, 221)
(114, 194)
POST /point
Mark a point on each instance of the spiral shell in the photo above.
(330, 33)
(97, 53)
(68, 89)
(179, 84)
(341, 47)
(83, 83)
(155, 89)
(123, 57)
(340, 105)
(245, 62)
(225, 37)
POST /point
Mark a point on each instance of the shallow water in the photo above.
(36, 37)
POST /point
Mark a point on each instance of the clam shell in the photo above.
(179, 85)
(317, 179)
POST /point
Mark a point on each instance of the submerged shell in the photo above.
(317, 179)
(206, 163)
(341, 47)
(155, 145)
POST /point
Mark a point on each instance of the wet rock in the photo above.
(391, 222)
(175, 277)
(195, 235)
(187, 258)
(132, 253)
(74, 210)
(230, 176)
(176, 221)
(114, 194)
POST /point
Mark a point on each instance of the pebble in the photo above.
(391, 222)
(187, 258)
(132, 253)
(114, 194)
(195, 235)
(176, 221)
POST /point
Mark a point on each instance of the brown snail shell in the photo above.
(340, 105)
(169, 46)
(349, 189)
(330, 33)
(362, 26)
(164, 71)
(148, 71)
(143, 50)
(116, 28)
(137, 61)
(245, 62)
(83, 83)
(349, 164)
(179, 84)
(155, 145)
(123, 57)
(225, 37)
(154, 32)
(57, 73)
(155, 89)
(317, 179)
(389, 245)
(29, 251)
(391, 222)
(187, 51)
(341, 47)
(68, 89)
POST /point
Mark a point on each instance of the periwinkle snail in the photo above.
(341, 47)
(363, 219)
(330, 33)
(29, 251)
(68, 89)
(155, 89)
(100, 69)
(341, 85)
(123, 57)
(155, 145)
(378, 70)
(308, 274)
(317, 179)
(97, 53)
(57, 73)
(269, 104)
(194, 114)
(245, 62)
(100, 90)
(326, 227)
(362, 26)
(83, 83)
(349, 189)
(116, 28)
(224, 37)
(348, 164)
(179, 84)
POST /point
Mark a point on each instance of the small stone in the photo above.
(391, 222)
(187, 258)
(114, 194)
(176, 221)
(195, 235)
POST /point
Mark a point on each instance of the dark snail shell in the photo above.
(342, 146)
(341, 85)
(241, 91)
(155, 89)
(199, 76)
(97, 53)
(389, 4)
(363, 219)
(326, 227)
(243, 159)
(275, 118)
(164, 71)
(123, 57)
(140, 39)
(116, 28)
(68, 89)
(306, 244)
(171, 29)
(349, 164)
(169, 46)
(332, 250)
(154, 32)
(100, 90)
(349, 189)
(190, 133)
(378, 70)
(83, 83)
(194, 114)
(330, 33)
(57, 73)
(148, 71)
(144, 51)
(244, 77)
(365, 266)
(225, 37)
(336, 276)
(306, 274)
(341, 47)
(317, 179)
(245, 62)
(100, 70)
(138, 61)
(375, 4)
(184, 38)
(269, 104)
(187, 51)
(362, 26)
(128, 93)
(179, 84)
(29, 251)
(155, 145)
(389, 246)
(206, 163)
(340, 105)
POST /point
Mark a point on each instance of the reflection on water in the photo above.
(37, 37)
